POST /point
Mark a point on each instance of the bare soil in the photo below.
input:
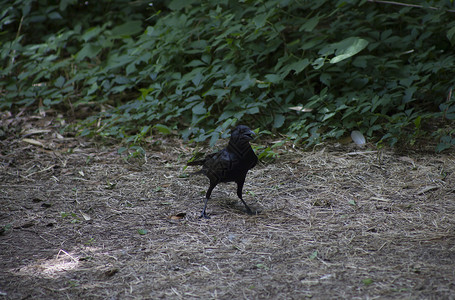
(79, 221)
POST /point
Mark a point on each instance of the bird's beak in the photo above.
(250, 134)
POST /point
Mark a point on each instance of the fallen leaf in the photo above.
(406, 159)
(358, 137)
(427, 189)
(33, 142)
(36, 131)
(380, 199)
(345, 140)
(361, 152)
(297, 160)
(111, 272)
(85, 216)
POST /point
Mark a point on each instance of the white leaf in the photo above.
(301, 108)
(358, 137)
(33, 142)
(85, 216)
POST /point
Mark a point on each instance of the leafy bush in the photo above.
(380, 68)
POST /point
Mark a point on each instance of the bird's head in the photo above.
(242, 133)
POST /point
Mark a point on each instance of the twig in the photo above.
(70, 256)
(17, 35)
(408, 5)
(40, 171)
(361, 152)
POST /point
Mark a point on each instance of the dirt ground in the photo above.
(79, 221)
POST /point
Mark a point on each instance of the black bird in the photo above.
(230, 164)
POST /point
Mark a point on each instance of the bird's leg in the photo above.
(203, 214)
(239, 193)
(207, 197)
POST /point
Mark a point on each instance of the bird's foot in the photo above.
(249, 211)
(204, 215)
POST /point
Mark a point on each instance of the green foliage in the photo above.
(142, 231)
(267, 153)
(368, 281)
(314, 255)
(200, 68)
(71, 217)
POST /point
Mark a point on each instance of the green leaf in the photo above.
(89, 51)
(215, 136)
(226, 115)
(86, 132)
(197, 79)
(418, 121)
(199, 109)
(199, 44)
(278, 121)
(347, 48)
(446, 142)
(64, 3)
(246, 83)
(367, 281)
(130, 69)
(262, 266)
(273, 78)
(93, 88)
(252, 110)
(162, 129)
(408, 93)
(217, 92)
(310, 24)
(442, 146)
(142, 231)
(325, 79)
(120, 150)
(91, 33)
(145, 129)
(328, 116)
(360, 62)
(59, 82)
(297, 66)
(179, 4)
(318, 63)
(314, 255)
(127, 29)
(259, 20)
(451, 35)
(54, 16)
(195, 63)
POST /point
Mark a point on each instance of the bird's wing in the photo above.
(219, 161)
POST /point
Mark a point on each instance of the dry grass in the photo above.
(331, 225)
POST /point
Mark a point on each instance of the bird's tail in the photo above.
(199, 162)
(196, 173)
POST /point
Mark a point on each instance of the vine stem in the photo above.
(406, 4)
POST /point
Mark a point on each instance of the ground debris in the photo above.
(332, 225)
